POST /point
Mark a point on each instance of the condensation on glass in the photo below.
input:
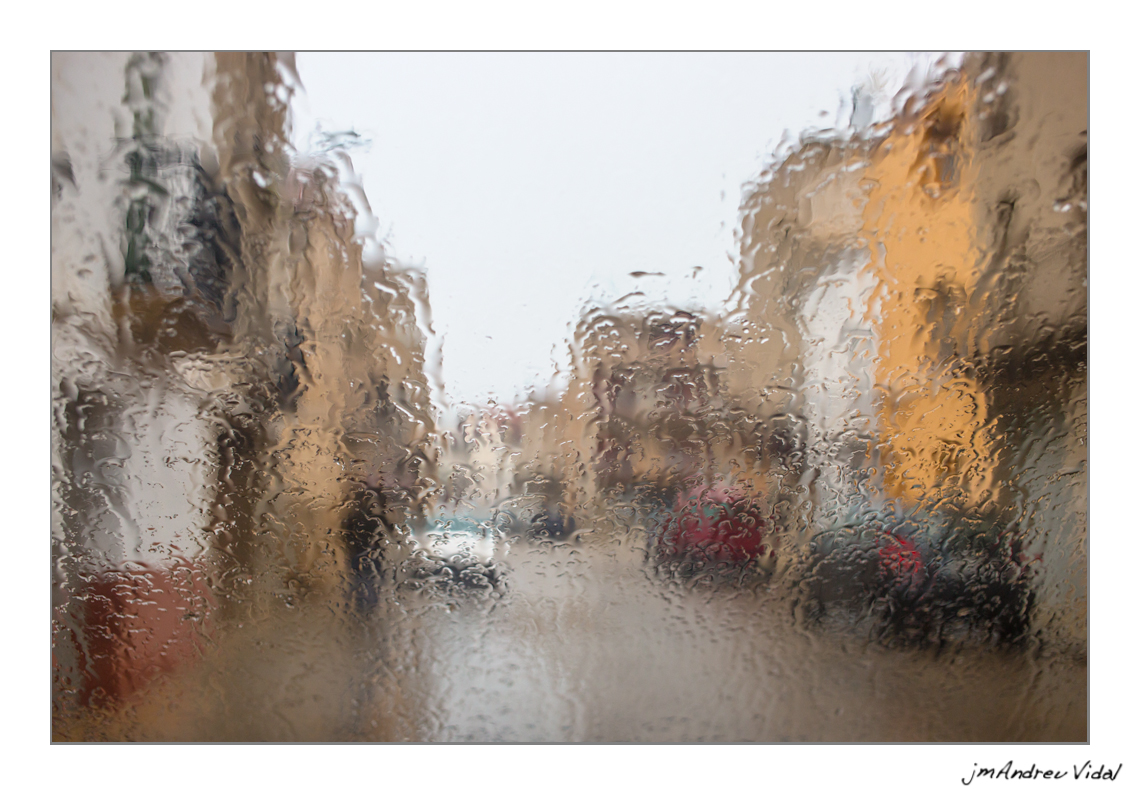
(848, 504)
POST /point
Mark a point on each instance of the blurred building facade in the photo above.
(908, 333)
(915, 286)
(222, 357)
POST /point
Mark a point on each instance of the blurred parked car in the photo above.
(714, 528)
(921, 577)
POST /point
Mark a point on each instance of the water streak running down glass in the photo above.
(804, 463)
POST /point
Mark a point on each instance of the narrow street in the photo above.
(585, 647)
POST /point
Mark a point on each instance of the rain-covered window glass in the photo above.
(572, 397)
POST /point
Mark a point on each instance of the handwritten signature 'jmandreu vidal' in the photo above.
(1008, 772)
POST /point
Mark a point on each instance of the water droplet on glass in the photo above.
(845, 445)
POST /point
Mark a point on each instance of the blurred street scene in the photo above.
(848, 503)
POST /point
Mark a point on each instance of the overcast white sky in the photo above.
(529, 184)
